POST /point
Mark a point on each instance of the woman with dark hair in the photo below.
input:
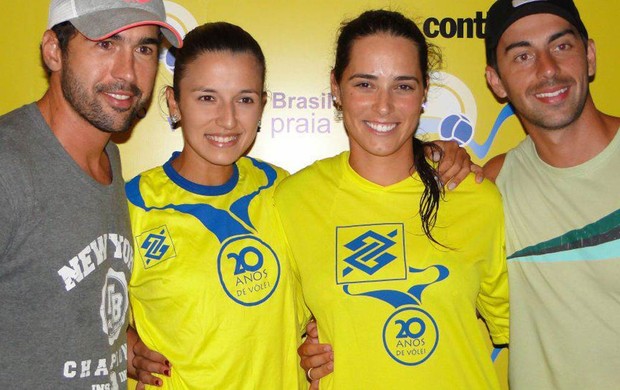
(394, 269)
(212, 289)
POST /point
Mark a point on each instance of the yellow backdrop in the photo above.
(298, 40)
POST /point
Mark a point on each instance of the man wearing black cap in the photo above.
(560, 190)
(65, 242)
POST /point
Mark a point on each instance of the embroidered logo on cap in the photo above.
(517, 3)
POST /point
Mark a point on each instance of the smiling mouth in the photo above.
(119, 97)
(381, 127)
(547, 95)
(222, 139)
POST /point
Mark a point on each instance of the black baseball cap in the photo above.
(504, 13)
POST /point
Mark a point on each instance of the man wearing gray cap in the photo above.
(65, 242)
(560, 191)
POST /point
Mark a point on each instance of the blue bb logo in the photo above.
(249, 270)
(370, 253)
(410, 335)
(155, 246)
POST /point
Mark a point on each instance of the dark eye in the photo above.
(246, 100)
(146, 50)
(206, 98)
(522, 57)
(405, 87)
(564, 46)
(105, 44)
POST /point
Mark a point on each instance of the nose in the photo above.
(124, 67)
(227, 116)
(547, 66)
(383, 102)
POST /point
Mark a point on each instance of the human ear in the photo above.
(50, 51)
(335, 89)
(591, 56)
(495, 82)
(263, 100)
(173, 108)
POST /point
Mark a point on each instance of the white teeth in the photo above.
(552, 94)
(119, 97)
(222, 139)
(382, 128)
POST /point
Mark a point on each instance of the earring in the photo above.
(423, 106)
(337, 105)
(173, 121)
(258, 127)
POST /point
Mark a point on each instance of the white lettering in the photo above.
(87, 262)
(127, 253)
(85, 368)
(102, 368)
(70, 369)
(118, 245)
(72, 274)
(94, 255)
(99, 247)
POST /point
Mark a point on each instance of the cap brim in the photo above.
(101, 25)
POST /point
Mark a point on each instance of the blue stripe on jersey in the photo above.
(219, 222)
(241, 206)
(196, 188)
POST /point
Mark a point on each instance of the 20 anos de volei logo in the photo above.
(249, 269)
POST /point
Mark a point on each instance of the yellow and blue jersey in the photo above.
(212, 288)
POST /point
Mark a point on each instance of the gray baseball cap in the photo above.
(100, 19)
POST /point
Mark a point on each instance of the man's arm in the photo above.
(454, 164)
(493, 166)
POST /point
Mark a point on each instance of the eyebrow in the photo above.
(150, 41)
(560, 34)
(211, 90)
(373, 77)
(143, 41)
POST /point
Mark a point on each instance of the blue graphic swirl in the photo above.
(482, 150)
(413, 296)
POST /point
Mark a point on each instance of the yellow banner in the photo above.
(297, 37)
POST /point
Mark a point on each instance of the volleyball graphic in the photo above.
(456, 127)
(182, 20)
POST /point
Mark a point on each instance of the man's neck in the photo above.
(80, 139)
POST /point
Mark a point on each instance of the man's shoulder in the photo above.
(493, 167)
(14, 128)
(16, 117)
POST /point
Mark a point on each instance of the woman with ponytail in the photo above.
(394, 269)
